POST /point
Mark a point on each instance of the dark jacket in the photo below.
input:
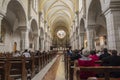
(104, 56)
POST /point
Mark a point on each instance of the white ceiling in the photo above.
(59, 11)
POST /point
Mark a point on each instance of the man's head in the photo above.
(105, 50)
(114, 52)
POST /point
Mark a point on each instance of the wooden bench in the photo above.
(37, 63)
(18, 68)
(100, 69)
(30, 66)
(4, 69)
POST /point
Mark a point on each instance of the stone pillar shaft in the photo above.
(81, 40)
(90, 36)
(42, 44)
(25, 40)
(113, 28)
(1, 17)
(36, 42)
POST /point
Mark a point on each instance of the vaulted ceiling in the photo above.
(59, 12)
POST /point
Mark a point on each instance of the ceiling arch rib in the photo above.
(59, 24)
(58, 14)
(53, 3)
(58, 18)
(42, 4)
(48, 5)
(57, 8)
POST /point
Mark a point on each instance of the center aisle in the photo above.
(53, 71)
(60, 72)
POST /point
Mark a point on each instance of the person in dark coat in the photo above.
(105, 54)
(113, 60)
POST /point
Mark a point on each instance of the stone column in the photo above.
(24, 38)
(42, 44)
(46, 43)
(77, 38)
(81, 40)
(36, 42)
(113, 28)
(90, 36)
(74, 38)
(1, 18)
(77, 14)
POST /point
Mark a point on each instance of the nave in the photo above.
(32, 32)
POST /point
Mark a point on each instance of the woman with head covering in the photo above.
(86, 62)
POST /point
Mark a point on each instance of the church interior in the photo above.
(57, 39)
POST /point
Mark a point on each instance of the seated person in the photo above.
(75, 55)
(104, 54)
(94, 57)
(69, 52)
(16, 54)
(26, 54)
(113, 60)
(86, 62)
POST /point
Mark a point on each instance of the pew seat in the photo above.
(101, 69)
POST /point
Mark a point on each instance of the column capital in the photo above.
(114, 6)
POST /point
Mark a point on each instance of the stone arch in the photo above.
(16, 9)
(93, 11)
(14, 19)
(95, 21)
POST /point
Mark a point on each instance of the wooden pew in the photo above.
(4, 69)
(100, 69)
(18, 68)
(38, 62)
(30, 66)
(67, 67)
